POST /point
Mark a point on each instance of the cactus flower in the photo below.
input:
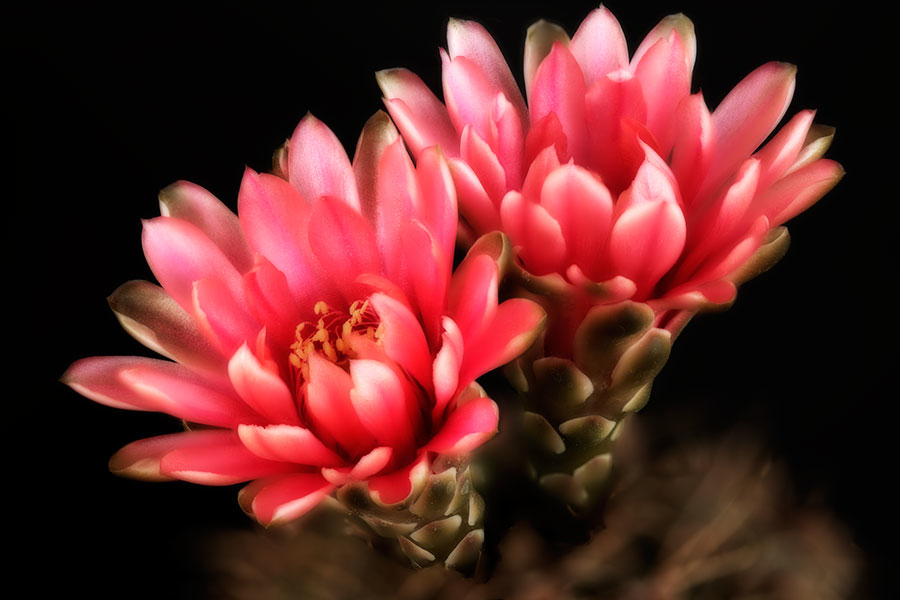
(318, 339)
(614, 181)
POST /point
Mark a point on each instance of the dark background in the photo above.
(112, 104)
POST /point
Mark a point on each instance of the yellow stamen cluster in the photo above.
(332, 335)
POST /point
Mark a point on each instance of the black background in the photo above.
(112, 104)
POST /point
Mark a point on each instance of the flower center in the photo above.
(333, 335)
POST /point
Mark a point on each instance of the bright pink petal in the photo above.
(286, 498)
(475, 206)
(446, 368)
(379, 397)
(224, 320)
(263, 390)
(288, 443)
(798, 191)
(479, 156)
(179, 254)
(403, 338)
(396, 193)
(780, 153)
(693, 145)
(397, 486)
(536, 233)
(543, 164)
(472, 297)
(271, 302)
(559, 88)
(192, 203)
(330, 409)
(507, 140)
(377, 136)
(467, 427)
(220, 459)
(421, 117)
(470, 39)
(429, 272)
(665, 77)
(513, 329)
(468, 93)
(599, 45)
(149, 314)
(437, 210)
(319, 166)
(543, 135)
(372, 463)
(582, 206)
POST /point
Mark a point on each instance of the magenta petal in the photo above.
(217, 457)
(192, 203)
(319, 165)
(599, 45)
(467, 427)
(179, 254)
(537, 234)
(149, 314)
(582, 205)
(263, 390)
(403, 338)
(288, 443)
(397, 486)
(379, 397)
(286, 498)
(421, 117)
(330, 409)
(559, 88)
(470, 39)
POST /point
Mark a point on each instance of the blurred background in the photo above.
(112, 104)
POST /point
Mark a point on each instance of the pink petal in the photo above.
(319, 166)
(225, 321)
(379, 397)
(330, 409)
(466, 428)
(733, 258)
(150, 315)
(220, 459)
(372, 463)
(271, 302)
(288, 443)
(344, 243)
(397, 486)
(286, 498)
(559, 88)
(437, 210)
(746, 116)
(403, 338)
(513, 329)
(777, 156)
(192, 203)
(543, 135)
(429, 271)
(693, 145)
(446, 368)
(599, 45)
(396, 193)
(263, 390)
(479, 156)
(798, 191)
(543, 164)
(472, 297)
(507, 140)
(677, 24)
(468, 93)
(140, 459)
(475, 206)
(538, 42)
(583, 207)
(179, 254)
(665, 78)
(536, 233)
(421, 117)
(471, 40)
(377, 136)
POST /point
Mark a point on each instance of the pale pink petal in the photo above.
(466, 428)
(344, 243)
(470, 39)
(372, 463)
(582, 206)
(421, 117)
(330, 409)
(263, 390)
(446, 368)
(513, 329)
(479, 156)
(468, 94)
(379, 397)
(559, 88)
(284, 499)
(677, 23)
(403, 338)
(149, 314)
(475, 206)
(288, 443)
(817, 142)
(780, 153)
(220, 459)
(377, 136)
(798, 191)
(140, 459)
(396, 194)
(224, 320)
(535, 232)
(179, 254)
(599, 45)
(397, 486)
(746, 116)
(437, 206)
(192, 203)
(538, 42)
(319, 166)
(665, 78)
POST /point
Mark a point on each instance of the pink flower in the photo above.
(614, 173)
(319, 338)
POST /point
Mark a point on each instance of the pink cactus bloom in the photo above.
(318, 338)
(614, 173)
